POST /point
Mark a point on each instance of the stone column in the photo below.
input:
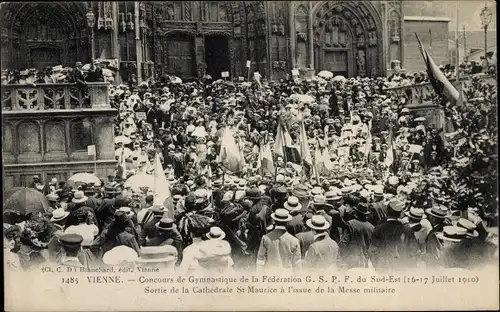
(291, 26)
(310, 35)
(138, 43)
(115, 43)
(103, 136)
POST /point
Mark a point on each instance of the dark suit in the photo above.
(356, 243)
(296, 225)
(167, 237)
(393, 246)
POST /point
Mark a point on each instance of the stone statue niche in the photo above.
(361, 63)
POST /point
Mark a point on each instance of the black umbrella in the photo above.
(26, 200)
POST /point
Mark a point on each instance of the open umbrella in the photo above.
(83, 177)
(122, 139)
(325, 74)
(26, 200)
(175, 79)
(126, 153)
(138, 181)
(339, 78)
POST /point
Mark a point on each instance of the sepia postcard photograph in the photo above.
(249, 155)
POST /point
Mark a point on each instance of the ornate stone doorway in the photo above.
(217, 55)
(43, 33)
(180, 55)
(348, 38)
(42, 57)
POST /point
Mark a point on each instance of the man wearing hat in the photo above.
(323, 253)
(279, 249)
(378, 208)
(296, 225)
(357, 237)
(258, 220)
(71, 244)
(166, 234)
(59, 222)
(149, 229)
(437, 216)
(393, 245)
(76, 75)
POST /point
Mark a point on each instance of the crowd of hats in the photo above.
(195, 112)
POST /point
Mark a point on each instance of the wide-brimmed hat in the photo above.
(362, 209)
(293, 204)
(452, 234)
(469, 226)
(109, 189)
(59, 214)
(437, 211)
(215, 233)
(253, 193)
(119, 254)
(318, 222)
(155, 254)
(176, 198)
(316, 191)
(281, 215)
(126, 210)
(416, 213)
(79, 197)
(165, 224)
(396, 205)
(332, 196)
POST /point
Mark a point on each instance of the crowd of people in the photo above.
(326, 173)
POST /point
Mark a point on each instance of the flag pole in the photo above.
(457, 61)
(283, 142)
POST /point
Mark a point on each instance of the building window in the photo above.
(29, 137)
(81, 134)
(55, 136)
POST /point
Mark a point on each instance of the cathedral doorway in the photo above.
(217, 55)
(180, 55)
(42, 34)
(348, 39)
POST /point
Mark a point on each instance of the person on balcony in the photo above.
(95, 73)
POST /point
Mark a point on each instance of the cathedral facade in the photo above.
(193, 38)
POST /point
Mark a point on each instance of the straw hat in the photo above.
(318, 222)
(215, 233)
(281, 215)
(293, 204)
(59, 214)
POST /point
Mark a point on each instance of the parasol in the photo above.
(86, 67)
(138, 181)
(26, 200)
(83, 177)
(325, 74)
(339, 78)
(126, 153)
(302, 98)
(122, 139)
(175, 80)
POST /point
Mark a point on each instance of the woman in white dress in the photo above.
(88, 230)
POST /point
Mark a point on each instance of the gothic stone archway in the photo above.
(43, 33)
(348, 38)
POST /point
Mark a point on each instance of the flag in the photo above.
(368, 143)
(283, 145)
(230, 154)
(389, 157)
(266, 160)
(305, 151)
(438, 80)
(123, 164)
(161, 186)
